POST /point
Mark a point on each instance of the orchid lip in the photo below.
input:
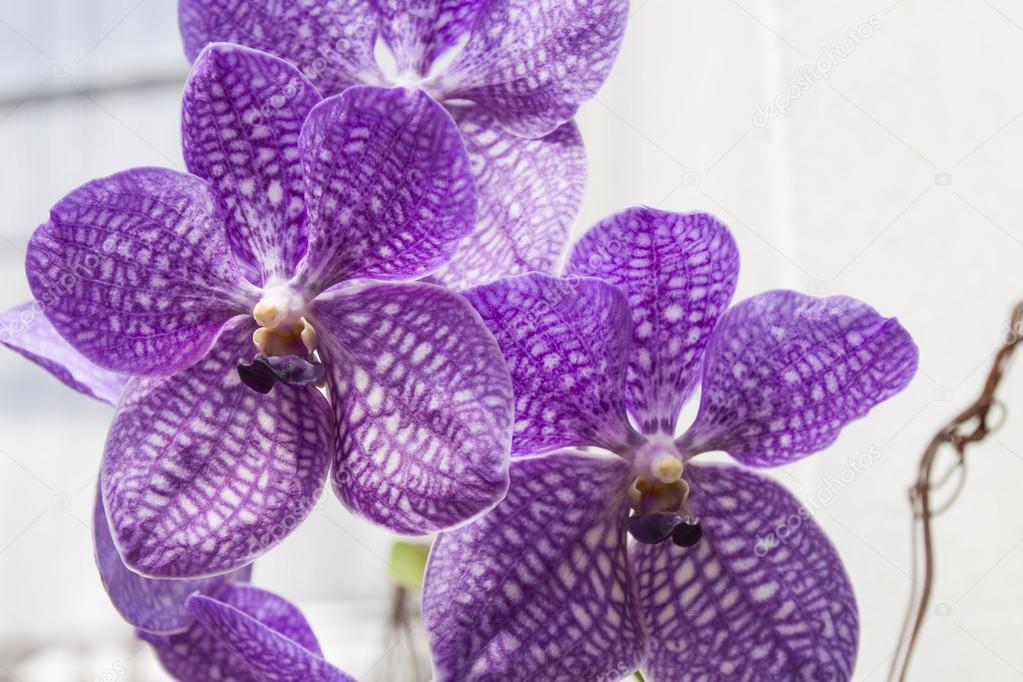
(263, 373)
(684, 530)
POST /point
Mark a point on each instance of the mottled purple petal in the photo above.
(785, 372)
(26, 330)
(201, 474)
(135, 272)
(243, 111)
(763, 596)
(423, 403)
(151, 604)
(419, 31)
(539, 588)
(531, 63)
(566, 342)
(245, 634)
(529, 194)
(679, 273)
(390, 190)
(330, 41)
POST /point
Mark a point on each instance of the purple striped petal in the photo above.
(531, 63)
(679, 272)
(26, 330)
(390, 192)
(135, 272)
(243, 111)
(566, 342)
(763, 596)
(330, 41)
(419, 31)
(245, 634)
(785, 372)
(201, 474)
(423, 404)
(154, 605)
(529, 194)
(539, 588)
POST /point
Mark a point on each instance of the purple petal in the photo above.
(679, 272)
(390, 192)
(247, 635)
(785, 372)
(330, 41)
(243, 111)
(763, 596)
(423, 404)
(135, 272)
(201, 474)
(26, 330)
(531, 63)
(529, 194)
(155, 605)
(540, 587)
(566, 342)
(419, 31)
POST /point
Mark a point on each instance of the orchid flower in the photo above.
(513, 74)
(212, 628)
(203, 627)
(244, 634)
(230, 293)
(727, 576)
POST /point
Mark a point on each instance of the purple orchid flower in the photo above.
(513, 74)
(212, 626)
(244, 634)
(257, 271)
(547, 582)
(154, 605)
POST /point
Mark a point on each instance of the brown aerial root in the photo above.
(972, 425)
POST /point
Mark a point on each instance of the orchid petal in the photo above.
(26, 330)
(243, 111)
(154, 605)
(135, 272)
(247, 635)
(679, 272)
(529, 194)
(330, 41)
(566, 342)
(390, 192)
(202, 475)
(423, 403)
(531, 63)
(763, 596)
(785, 372)
(541, 586)
(419, 31)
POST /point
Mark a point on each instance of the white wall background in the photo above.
(895, 179)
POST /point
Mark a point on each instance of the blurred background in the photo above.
(870, 149)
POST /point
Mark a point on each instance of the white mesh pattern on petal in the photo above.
(423, 404)
(763, 596)
(201, 474)
(539, 588)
